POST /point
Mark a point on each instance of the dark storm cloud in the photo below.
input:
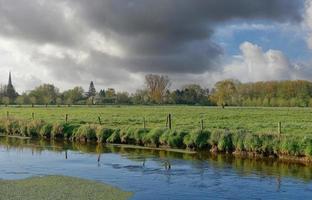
(37, 21)
(159, 36)
(174, 36)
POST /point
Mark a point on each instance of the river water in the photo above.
(146, 172)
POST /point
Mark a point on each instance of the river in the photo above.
(147, 172)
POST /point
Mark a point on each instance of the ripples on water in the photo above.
(192, 176)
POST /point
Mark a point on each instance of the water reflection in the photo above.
(183, 175)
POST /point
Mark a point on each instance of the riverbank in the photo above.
(286, 147)
(59, 187)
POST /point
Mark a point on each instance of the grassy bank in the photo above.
(67, 188)
(215, 140)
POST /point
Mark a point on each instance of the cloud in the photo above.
(256, 65)
(115, 42)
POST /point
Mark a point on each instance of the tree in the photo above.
(102, 93)
(5, 100)
(224, 92)
(20, 100)
(72, 96)
(123, 98)
(92, 91)
(59, 101)
(110, 93)
(157, 85)
(45, 94)
(140, 97)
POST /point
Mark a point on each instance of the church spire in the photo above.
(11, 93)
(10, 80)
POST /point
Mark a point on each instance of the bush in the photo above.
(152, 138)
(23, 126)
(238, 139)
(307, 142)
(85, 133)
(164, 138)
(225, 143)
(127, 135)
(175, 139)
(103, 133)
(252, 143)
(69, 129)
(115, 137)
(2, 126)
(34, 127)
(46, 130)
(12, 127)
(197, 139)
(268, 144)
(139, 135)
(290, 146)
(57, 130)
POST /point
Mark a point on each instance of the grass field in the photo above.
(253, 130)
(257, 120)
(58, 187)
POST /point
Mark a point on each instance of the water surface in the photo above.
(144, 172)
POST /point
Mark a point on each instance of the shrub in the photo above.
(85, 133)
(115, 137)
(175, 139)
(164, 138)
(23, 128)
(139, 135)
(252, 143)
(34, 127)
(103, 133)
(215, 137)
(197, 139)
(2, 126)
(307, 142)
(69, 129)
(290, 146)
(225, 142)
(152, 138)
(238, 140)
(57, 130)
(268, 143)
(127, 135)
(12, 127)
(46, 130)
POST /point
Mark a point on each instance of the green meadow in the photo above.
(266, 131)
(258, 120)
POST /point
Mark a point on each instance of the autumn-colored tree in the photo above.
(157, 85)
(224, 92)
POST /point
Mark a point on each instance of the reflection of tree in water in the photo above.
(278, 183)
(199, 162)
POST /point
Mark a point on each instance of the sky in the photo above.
(115, 43)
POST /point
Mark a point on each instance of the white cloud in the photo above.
(308, 21)
(253, 64)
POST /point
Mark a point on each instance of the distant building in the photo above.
(10, 90)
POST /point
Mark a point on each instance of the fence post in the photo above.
(8, 114)
(66, 118)
(170, 121)
(33, 116)
(144, 123)
(99, 118)
(279, 128)
(202, 124)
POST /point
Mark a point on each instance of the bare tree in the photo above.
(157, 85)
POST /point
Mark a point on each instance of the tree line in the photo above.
(157, 91)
